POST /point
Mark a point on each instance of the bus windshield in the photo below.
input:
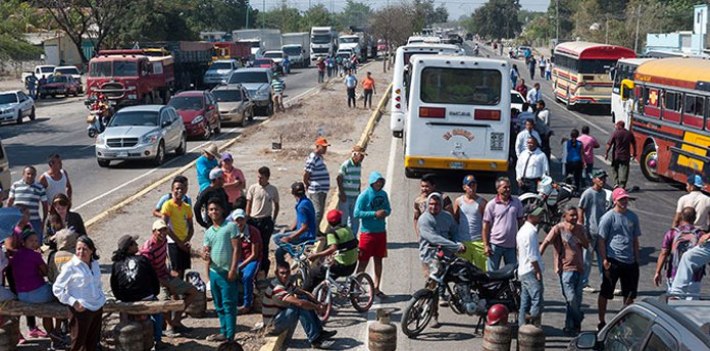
(460, 86)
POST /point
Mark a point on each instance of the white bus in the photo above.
(398, 102)
(459, 115)
(624, 69)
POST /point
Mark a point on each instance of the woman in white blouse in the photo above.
(79, 286)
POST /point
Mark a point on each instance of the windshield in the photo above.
(100, 69)
(516, 99)
(273, 55)
(320, 38)
(293, 50)
(8, 98)
(186, 103)
(49, 69)
(248, 77)
(221, 65)
(460, 86)
(228, 95)
(342, 54)
(67, 70)
(349, 40)
(125, 68)
(135, 118)
(57, 79)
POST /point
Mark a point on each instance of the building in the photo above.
(691, 43)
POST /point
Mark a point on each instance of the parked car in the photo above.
(60, 85)
(15, 105)
(144, 132)
(234, 104)
(40, 70)
(257, 81)
(520, 51)
(265, 62)
(278, 57)
(198, 109)
(219, 71)
(655, 323)
(517, 100)
(70, 71)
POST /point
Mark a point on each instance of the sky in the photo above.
(456, 8)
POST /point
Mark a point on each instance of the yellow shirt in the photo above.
(179, 216)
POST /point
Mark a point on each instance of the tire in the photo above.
(160, 156)
(324, 295)
(419, 311)
(218, 129)
(92, 133)
(649, 162)
(243, 122)
(208, 132)
(183, 146)
(409, 173)
(362, 292)
(301, 276)
(568, 105)
(270, 108)
(613, 118)
(76, 93)
(19, 117)
(251, 115)
(33, 115)
(103, 163)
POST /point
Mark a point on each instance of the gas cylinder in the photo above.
(382, 335)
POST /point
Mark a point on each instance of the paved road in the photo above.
(60, 127)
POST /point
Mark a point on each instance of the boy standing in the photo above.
(530, 268)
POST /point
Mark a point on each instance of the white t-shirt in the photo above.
(701, 203)
(528, 249)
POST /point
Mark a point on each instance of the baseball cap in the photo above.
(359, 149)
(298, 188)
(321, 141)
(620, 193)
(216, 173)
(212, 150)
(599, 173)
(238, 213)
(469, 179)
(696, 180)
(334, 216)
(227, 156)
(533, 210)
(125, 241)
(159, 224)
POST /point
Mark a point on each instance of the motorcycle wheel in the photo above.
(362, 292)
(418, 312)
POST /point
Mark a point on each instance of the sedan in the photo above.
(60, 85)
(199, 112)
(278, 57)
(234, 104)
(266, 63)
(15, 105)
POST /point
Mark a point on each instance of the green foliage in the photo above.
(317, 15)
(496, 19)
(18, 17)
(287, 19)
(426, 15)
(356, 14)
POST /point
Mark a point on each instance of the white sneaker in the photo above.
(617, 292)
(588, 289)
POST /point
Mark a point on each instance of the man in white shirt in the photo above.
(532, 165)
(534, 95)
(530, 267)
(697, 200)
(522, 138)
(541, 112)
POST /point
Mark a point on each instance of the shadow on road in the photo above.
(442, 336)
(39, 126)
(397, 246)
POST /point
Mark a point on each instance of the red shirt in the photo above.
(622, 141)
(156, 252)
(253, 236)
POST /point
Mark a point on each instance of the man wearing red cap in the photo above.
(316, 178)
(341, 242)
(618, 243)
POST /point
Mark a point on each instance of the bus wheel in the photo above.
(409, 173)
(649, 163)
(568, 105)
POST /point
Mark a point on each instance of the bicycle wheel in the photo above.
(324, 295)
(418, 312)
(301, 275)
(362, 292)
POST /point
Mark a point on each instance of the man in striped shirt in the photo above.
(277, 91)
(317, 179)
(28, 193)
(284, 305)
(349, 186)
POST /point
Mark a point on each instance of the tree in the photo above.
(440, 15)
(497, 19)
(223, 15)
(285, 18)
(394, 24)
(317, 15)
(18, 17)
(356, 14)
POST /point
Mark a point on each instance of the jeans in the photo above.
(499, 252)
(571, 283)
(691, 261)
(348, 209)
(157, 326)
(368, 97)
(280, 251)
(248, 273)
(38, 228)
(321, 76)
(588, 257)
(531, 297)
(620, 172)
(224, 295)
(318, 200)
(575, 169)
(288, 318)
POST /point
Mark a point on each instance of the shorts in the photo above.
(178, 287)
(372, 245)
(43, 294)
(628, 273)
(475, 253)
(179, 260)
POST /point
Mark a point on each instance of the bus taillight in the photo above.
(487, 115)
(432, 112)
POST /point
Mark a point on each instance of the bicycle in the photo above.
(358, 288)
(300, 266)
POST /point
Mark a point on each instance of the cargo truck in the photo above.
(269, 39)
(323, 42)
(191, 59)
(297, 47)
(227, 50)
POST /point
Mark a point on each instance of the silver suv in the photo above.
(257, 81)
(144, 132)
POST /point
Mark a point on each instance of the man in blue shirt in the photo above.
(305, 227)
(351, 83)
(205, 163)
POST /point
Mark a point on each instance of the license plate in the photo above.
(122, 154)
(456, 165)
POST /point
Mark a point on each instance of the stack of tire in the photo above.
(9, 333)
(134, 335)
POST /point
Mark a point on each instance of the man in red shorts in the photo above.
(371, 208)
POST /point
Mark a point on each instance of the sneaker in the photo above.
(435, 324)
(171, 333)
(617, 292)
(36, 333)
(21, 340)
(216, 338)
(588, 289)
(327, 334)
(601, 326)
(322, 345)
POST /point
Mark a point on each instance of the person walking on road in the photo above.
(568, 242)
(530, 268)
(531, 68)
(26, 192)
(368, 86)
(468, 210)
(372, 208)
(262, 211)
(534, 95)
(321, 66)
(531, 166)
(696, 199)
(31, 84)
(214, 190)
(205, 163)
(521, 140)
(619, 233)
(56, 179)
(676, 242)
(427, 185)
(501, 219)
(593, 204)
(316, 178)
(277, 91)
(542, 65)
(349, 181)
(589, 143)
(572, 161)
(351, 84)
(305, 226)
(548, 70)
(623, 144)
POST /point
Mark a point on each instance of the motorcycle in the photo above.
(467, 289)
(100, 112)
(552, 197)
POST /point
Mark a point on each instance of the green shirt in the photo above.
(339, 236)
(351, 178)
(219, 240)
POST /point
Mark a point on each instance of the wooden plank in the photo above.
(59, 311)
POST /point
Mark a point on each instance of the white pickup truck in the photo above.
(40, 70)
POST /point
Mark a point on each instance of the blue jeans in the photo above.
(225, 296)
(691, 261)
(572, 291)
(531, 297)
(499, 252)
(280, 251)
(157, 326)
(288, 318)
(588, 258)
(348, 209)
(248, 274)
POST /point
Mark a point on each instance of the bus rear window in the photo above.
(442, 85)
(595, 66)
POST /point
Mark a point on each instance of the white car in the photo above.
(276, 55)
(68, 71)
(15, 105)
(517, 100)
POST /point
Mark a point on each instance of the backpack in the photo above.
(684, 241)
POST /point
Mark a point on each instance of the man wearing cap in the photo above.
(262, 210)
(340, 242)
(250, 257)
(618, 242)
(155, 249)
(215, 190)
(623, 144)
(349, 186)
(205, 163)
(532, 165)
(593, 204)
(316, 177)
(305, 227)
(697, 200)
(530, 267)
(501, 219)
(468, 209)
(134, 279)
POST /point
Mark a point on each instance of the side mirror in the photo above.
(586, 341)
(626, 84)
(165, 123)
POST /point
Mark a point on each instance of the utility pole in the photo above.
(638, 22)
(263, 13)
(557, 20)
